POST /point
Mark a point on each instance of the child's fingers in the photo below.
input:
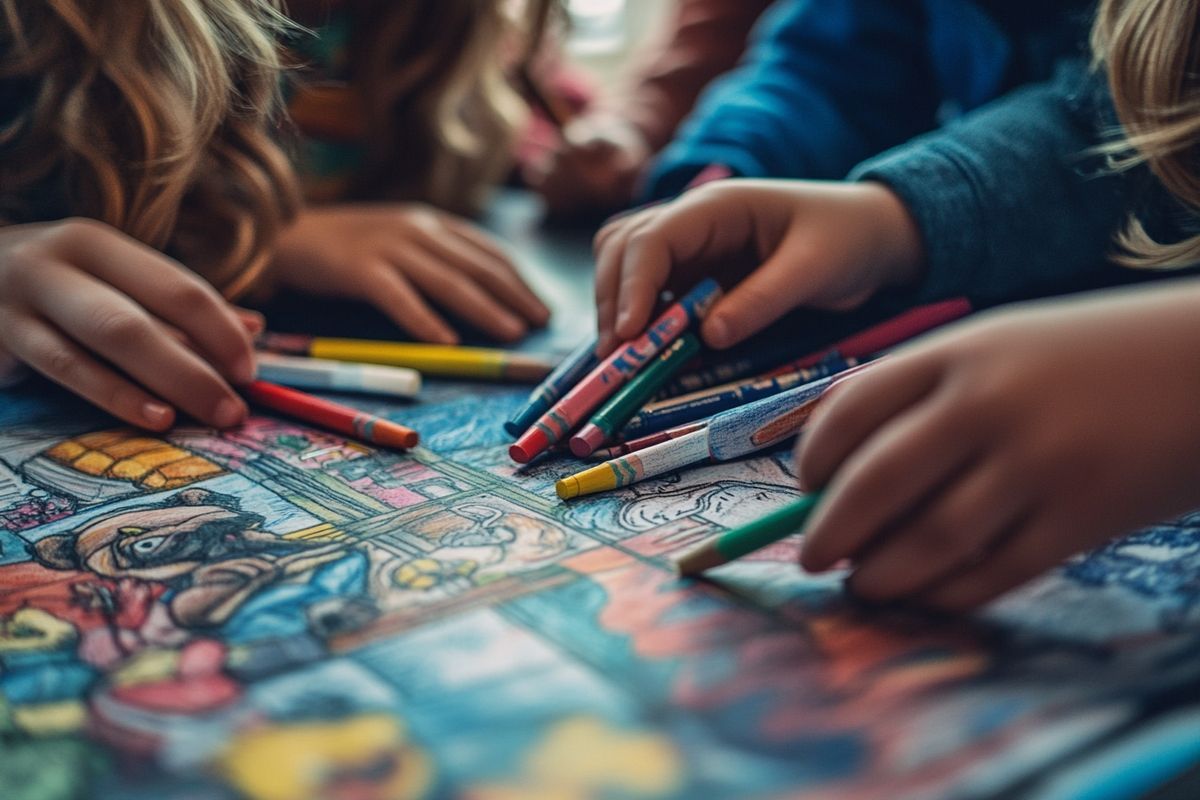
(852, 410)
(951, 530)
(477, 238)
(458, 294)
(1030, 548)
(171, 292)
(610, 256)
(905, 461)
(761, 299)
(114, 327)
(254, 322)
(397, 298)
(44, 349)
(496, 275)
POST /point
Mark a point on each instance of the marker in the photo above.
(613, 415)
(632, 446)
(732, 434)
(429, 359)
(635, 467)
(743, 541)
(335, 417)
(864, 344)
(568, 373)
(316, 373)
(707, 402)
(611, 374)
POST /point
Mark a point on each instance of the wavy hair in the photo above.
(1151, 52)
(156, 117)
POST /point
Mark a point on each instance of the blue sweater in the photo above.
(829, 83)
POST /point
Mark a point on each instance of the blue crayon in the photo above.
(681, 410)
(573, 368)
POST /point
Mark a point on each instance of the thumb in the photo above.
(765, 296)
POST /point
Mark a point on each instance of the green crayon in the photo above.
(734, 544)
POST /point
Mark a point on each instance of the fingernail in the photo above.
(229, 412)
(246, 370)
(157, 415)
(717, 330)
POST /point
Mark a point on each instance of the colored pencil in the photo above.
(613, 373)
(429, 359)
(729, 435)
(580, 362)
(316, 373)
(734, 544)
(335, 417)
(707, 402)
(632, 446)
(773, 358)
(635, 467)
(613, 415)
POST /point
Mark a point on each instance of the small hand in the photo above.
(121, 324)
(778, 244)
(396, 256)
(972, 462)
(594, 169)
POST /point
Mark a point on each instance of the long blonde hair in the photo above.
(1151, 52)
(441, 113)
(154, 116)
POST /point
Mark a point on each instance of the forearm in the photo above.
(1011, 202)
(707, 39)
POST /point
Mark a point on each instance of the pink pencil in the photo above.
(573, 409)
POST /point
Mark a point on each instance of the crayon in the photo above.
(729, 435)
(568, 373)
(429, 359)
(613, 415)
(335, 417)
(612, 373)
(734, 544)
(707, 402)
(632, 446)
(316, 373)
(890, 333)
(864, 344)
(636, 467)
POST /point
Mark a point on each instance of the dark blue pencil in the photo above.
(573, 368)
(698, 405)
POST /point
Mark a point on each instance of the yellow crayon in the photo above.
(429, 359)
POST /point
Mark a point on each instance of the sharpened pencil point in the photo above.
(701, 559)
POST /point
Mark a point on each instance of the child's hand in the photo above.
(824, 245)
(971, 463)
(78, 298)
(395, 256)
(595, 169)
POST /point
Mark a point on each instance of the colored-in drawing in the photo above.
(277, 613)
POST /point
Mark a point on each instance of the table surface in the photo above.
(275, 612)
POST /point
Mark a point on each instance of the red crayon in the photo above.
(633, 445)
(335, 417)
(889, 333)
(612, 373)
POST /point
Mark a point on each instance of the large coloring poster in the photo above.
(277, 613)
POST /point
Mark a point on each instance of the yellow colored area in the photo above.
(49, 719)
(34, 629)
(147, 666)
(586, 757)
(428, 359)
(125, 455)
(423, 574)
(325, 532)
(93, 463)
(367, 757)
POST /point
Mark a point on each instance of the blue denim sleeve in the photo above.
(1012, 200)
(826, 84)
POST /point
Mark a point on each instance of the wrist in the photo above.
(898, 244)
